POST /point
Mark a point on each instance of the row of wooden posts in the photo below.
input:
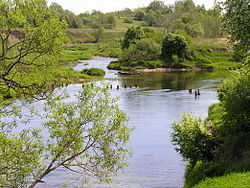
(125, 86)
(117, 87)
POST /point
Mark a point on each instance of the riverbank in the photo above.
(205, 54)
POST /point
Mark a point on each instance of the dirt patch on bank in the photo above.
(168, 70)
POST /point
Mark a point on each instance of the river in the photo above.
(159, 99)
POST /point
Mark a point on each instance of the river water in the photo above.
(159, 99)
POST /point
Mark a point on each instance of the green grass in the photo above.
(239, 180)
(132, 65)
(76, 52)
(203, 54)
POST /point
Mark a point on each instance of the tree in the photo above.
(98, 34)
(158, 6)
(236, 22)
(30, 38)
(87, 137)
(173, 45)
(110, 21)
(140, 14)
(132, 35)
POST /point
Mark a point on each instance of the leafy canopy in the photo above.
(132, 35)
(236, 22)
(173, 45)
(30, 38)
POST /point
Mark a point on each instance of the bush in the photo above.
(235, 98)
(182, 33)
(145, 49)
(193, 139)
(93, 72)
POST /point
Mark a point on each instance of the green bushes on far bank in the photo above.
(93, 72)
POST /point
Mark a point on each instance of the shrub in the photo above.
(93, 72)
(235, 98)
(145, 49)
(193, 139)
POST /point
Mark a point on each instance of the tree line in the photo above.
(184, 15)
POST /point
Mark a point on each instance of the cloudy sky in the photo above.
(79, 6)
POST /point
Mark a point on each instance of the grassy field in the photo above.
(239, 180)
(213, 53)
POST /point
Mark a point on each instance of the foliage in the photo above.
(98, 34)
(193, 139)
(228, 130)
(30, 39)
(72, 20)
(87, 137)
(234, 96)
(93, 72)
(173, 45)
(145, 49)
(139, 64)
(140, 14)
(199, 171)
(231, 180)
(236, 22)
(182, 33)
(132, 35)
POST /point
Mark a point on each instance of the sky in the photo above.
(80, 6)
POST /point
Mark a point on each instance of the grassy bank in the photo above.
(202, 54)
(239, 180)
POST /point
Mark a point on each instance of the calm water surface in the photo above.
(160, 99)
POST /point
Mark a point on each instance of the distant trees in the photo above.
(132, 35)
(184, 15)
(95, 19)
(72, 20)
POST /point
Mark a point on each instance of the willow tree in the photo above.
(87, 137)
(30, 37)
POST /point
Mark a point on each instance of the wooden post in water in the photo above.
(198, 92)
(190, 91)
(117, 87)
